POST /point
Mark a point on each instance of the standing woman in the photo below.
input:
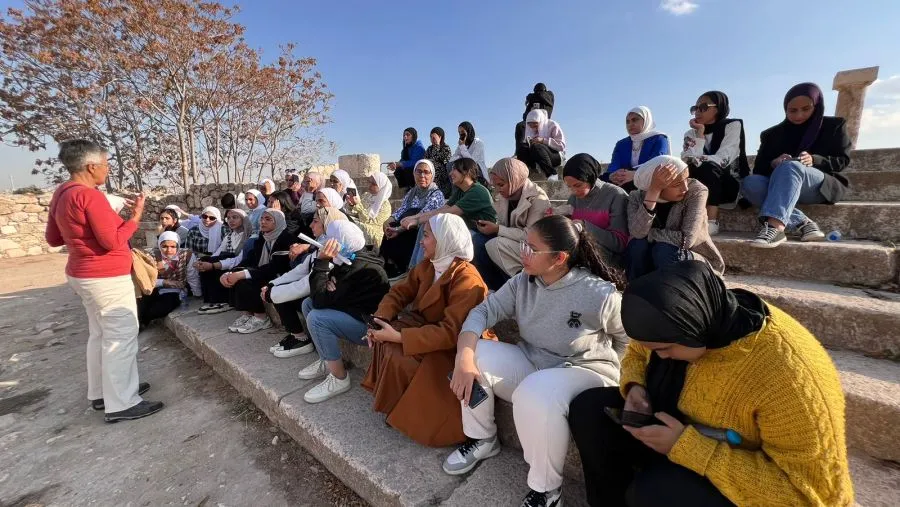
(371, 218)
(643, 143)
(704, 359)
(420, 320)
(413, 151)
(99, 271)
(546, 144)
(799, 162)
(202, 240)
(229, 254)
(171, 280)
(667, 219)
(714, 150)
(567, 307)
(439, 155)
(471, 147)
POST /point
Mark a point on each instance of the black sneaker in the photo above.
(768, 237)
(143, 387)
(142, 409)
(292, 346)
(810, 231)
(548, 499)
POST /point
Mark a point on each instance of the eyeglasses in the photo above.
(702, 108)
(424, 173)
(526, 250)
(207, 217)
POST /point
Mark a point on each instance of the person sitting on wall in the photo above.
(413, 151)
(643, 143)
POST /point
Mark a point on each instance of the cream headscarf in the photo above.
(514, 171)
(543, 121)
(213, 232)
(234, 240)
(345, 179)
(271, 236)
(454, 241)
(328, 215)
(347, 234)
(334, 198)
(644, 173)
(649, 129)
(267, 184)
(384, 193)
(167, 236)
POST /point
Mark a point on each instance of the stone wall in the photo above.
(23, 219)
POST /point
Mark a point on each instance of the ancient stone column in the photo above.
(360, 165)
(851, 87)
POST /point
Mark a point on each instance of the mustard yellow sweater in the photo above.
(779, 389)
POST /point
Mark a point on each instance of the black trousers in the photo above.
(156, 306)
(620, 470)
(722, 185)
(539, 156)
(405, 177)
(290, 311)
(397, 251)
(213, 290)
(244, 295)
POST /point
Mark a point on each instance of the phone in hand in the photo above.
(370, 322)
(351, 191)
(629, 418)
(478, 393)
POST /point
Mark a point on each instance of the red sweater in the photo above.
(97, 238)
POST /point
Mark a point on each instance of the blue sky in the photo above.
(423, 64)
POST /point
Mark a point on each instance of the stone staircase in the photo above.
(845, 292)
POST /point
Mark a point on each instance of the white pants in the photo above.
(193, 276)
(540, 401)
(112, 345)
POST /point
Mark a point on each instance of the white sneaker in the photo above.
(317, 369)
(713, 227)
(239, 323)
(255, 324)
(555, 177)
(469, 454)
(329, 388)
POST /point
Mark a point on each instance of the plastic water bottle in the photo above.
(183, 297)
(834, 235)
(347, 254)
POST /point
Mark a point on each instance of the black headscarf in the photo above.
(440, 132)
(583, 167)
(404, 153)
(470, 132)
(803, 136)
(685, 303)
(717, 129)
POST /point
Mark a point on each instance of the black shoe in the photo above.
(292, 346)
(142, 409)
(548, 499)
(143, 387)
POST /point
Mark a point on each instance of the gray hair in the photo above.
(75, 154)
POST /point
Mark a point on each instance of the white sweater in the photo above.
(475, 152)
(294, 284)
(729, 150)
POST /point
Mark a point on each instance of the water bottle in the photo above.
(347, 254)
(182, 296)
(834, 235)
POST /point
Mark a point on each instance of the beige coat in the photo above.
(504, 249)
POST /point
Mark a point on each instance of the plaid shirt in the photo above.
(175, 273)
(196, 243)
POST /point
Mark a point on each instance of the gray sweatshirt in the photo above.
(576, 321)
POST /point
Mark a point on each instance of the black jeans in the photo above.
(493, 276)
(620, 470)
(642, 257)
(244, 295)
(397, 251)
(404, 177)
(156, 306)
(290, 311)
(723, 187)
(539, 156)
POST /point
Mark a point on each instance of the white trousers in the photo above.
(193, 276)
(113, 344)
(540, 401)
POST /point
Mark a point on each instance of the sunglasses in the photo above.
(208, 217)
(526, 250)
(702, 108)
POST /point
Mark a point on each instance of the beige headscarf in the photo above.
(513, 171)
(329, 215)
(453, 241)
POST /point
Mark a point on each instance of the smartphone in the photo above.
(478, 393)
(629, 418)
(351, 191)
(370, 321)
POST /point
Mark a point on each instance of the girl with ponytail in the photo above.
(566, 304)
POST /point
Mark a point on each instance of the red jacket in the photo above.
(96, 236)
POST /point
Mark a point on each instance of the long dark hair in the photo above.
(404, 153)
(284, 199)
(470, 132)
(440, 132)
(564, 235)
(174, 215)
(467, 167)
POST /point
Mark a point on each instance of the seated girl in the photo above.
(171, 281)
(414, 349)
(371, 218)
(341, 181)
(546, 144)
(439, 155)
(748, 406)
(340, 297)
(312, 181)
(288, 291)
(224, 259)
(714, 150)
(643, 143)
(600, 205)
(266, 188)
(520, 204)
(567, 308)
(168, 221)
(470, 147)
(281, 200)
(399, 241)
(256, 205)
(413, 151)
(667, 219)
(799, 162)
(266, 261)
(202, 240)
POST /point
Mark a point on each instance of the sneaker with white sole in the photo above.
(317, 369)
(280, 345)
(547, 499)
(294, 346)
(469, 454)
(329, 388)
(768, 237)
(255, 324)
(215, 308)
(810, 231)
(713, 227)
(239, 323)
(554, 177)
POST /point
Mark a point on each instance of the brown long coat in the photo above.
(409, 379)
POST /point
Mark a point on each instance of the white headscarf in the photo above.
(271, 236)
(649, 129)
(167, 236)
(235, 239)
(181, 213)
(213, 232)
(334, 198)
(543, 121)
(348, 234)
(266, 184)
(644, 173)
(254, 214)
(454, 241)
(385, 188)
(345, 179)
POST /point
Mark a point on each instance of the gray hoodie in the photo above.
(575, 321)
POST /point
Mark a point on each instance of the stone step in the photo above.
(877, 221)
(862, 320)
(386, 468)
(858, 263)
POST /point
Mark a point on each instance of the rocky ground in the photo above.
(209, 447)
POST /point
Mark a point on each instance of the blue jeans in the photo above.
(777, 196)
(493, 276)
(642, 257)
(327, 326)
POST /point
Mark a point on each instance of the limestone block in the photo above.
(207, 201)
(150, 237)
(35, 250)
(8, 244)
(16, 252)
(55, 249)
(8, 229)
(855, 77)
(6, 208)
(4, 220)
(18, 217)
(44, 200)
(360, 165)
(43, 217)
(32, 218)
(24, 199)
(33, 208)
(349, 163)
